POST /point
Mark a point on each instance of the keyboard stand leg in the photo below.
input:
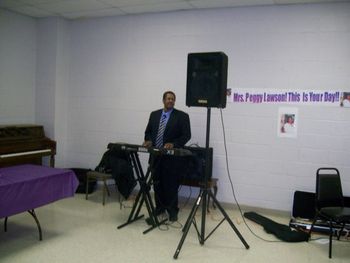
(134, 214)
(143, 195)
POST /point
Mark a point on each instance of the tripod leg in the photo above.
(205, 197)
(188, 224)
(229, 220)
(188, 221)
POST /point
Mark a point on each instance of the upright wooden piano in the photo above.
(25, 144)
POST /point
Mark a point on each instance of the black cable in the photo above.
(232, 188)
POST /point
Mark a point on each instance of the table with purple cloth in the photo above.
(26, 187)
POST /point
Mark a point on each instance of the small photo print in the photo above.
(345, 100)
(229, 95)
(287, 122)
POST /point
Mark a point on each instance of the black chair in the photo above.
(330, 202)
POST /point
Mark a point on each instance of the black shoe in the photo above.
(173, 217)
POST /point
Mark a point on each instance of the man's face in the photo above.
(169, 101)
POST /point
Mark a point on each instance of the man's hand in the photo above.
(168, 145)
(147, 143)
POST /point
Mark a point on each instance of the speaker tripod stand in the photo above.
(202, 200)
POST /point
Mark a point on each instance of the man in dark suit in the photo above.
(167, 128)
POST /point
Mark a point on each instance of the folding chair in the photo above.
(330, 202)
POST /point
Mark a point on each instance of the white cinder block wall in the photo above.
(17, 68)
(120, 66)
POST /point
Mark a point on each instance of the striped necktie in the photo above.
(159, 139)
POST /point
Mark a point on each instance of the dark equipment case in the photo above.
(304, 212)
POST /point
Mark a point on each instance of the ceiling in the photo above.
(75, 9)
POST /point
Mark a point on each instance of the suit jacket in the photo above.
(177, 130)
(118, 163)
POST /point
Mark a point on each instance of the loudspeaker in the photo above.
(206, 79)
(196, 164)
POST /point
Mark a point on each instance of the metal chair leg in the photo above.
(330, 240)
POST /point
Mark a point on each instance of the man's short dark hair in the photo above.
(168, 92)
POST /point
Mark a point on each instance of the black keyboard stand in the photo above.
(143, 196)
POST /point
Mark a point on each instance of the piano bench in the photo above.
(98, 176)
(212, 184)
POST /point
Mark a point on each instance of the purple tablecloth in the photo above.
(25, 187)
